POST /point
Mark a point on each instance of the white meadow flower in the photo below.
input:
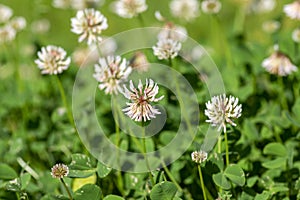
(159, 16)
(7, 34)
(185, 9)
(199, 156)
(221, 109)
(62, 4)
(296, 35)
(211, 6)
(139, 108)
(18, 23)
(110, 72)
(278, 63)
(5, 13)
(271, 26)
(292, 10)
(89, 24)
(40, 26)
(174, 32)
(139, 62)
(263, 6)
(52, 60)
(82, 4)
(59, 171)
(129, 8)
(166, 48)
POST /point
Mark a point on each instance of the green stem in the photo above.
(67, 189)
(117, 129)
(226, 147)
(202, 182)
(220, 144)
(145, 154)
(64, 99)
(171, 176)
(282, 98)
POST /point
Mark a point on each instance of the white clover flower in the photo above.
(5, 13)
(174, 32)
(292, 10)
(211, 6)
(129, 8)
(199, 156)
(139, 107)
(7, 34)
(278, 63)
(185, 9)
(40, 26)
(296, 35)
(139, 62)
(166, 48)
(271, 26)
(263, 6)
(89, 24)
(59, 171)
(110, 72)
(82, 4)
(221, 109)
(159, 16)
(62, 4)
(52, 60)
(18, 23)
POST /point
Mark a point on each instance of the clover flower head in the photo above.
(199, 156)
(279, 63)
(262, 6)
(185, 9)
(139, 108)
(59, 171)
(271, 26)
(5, 13)
(292, 10)
(139, 62)
(129, 8)
(296, 35)
(211, 6)
(174, 32)
(166, 48)
(52, 60)
(110, 72)
(40, 26)
(221, 110)
(7, 34)
(89, 24)
(18, 23)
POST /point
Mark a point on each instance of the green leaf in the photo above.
(88, 192)
(278, 162)
(218, 160)
(25, 179)
(113, 197)
(275, 149)
(221, 181)
(263, 196)
(163, 191)
(102, 170)
(7, 172)
(81, 173)
(14, 185)
(251, 181)
(236, 174)
(80, 162)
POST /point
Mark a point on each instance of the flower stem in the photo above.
(202, 182)
(64, 99)
(141, 20)
(226, 147)
(145, 154)
(171, 176)
(67, 189)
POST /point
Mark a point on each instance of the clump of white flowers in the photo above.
(139, 108)
(185, 9)
(199, 156)
(52, 60)
(279, 63)
(292, 10)
(89, 24)
(222, 110)
(166, 49)
(110, 72)
(296, 35)
(129, 8)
